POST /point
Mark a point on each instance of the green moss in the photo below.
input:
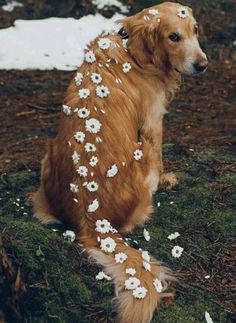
(60, 281)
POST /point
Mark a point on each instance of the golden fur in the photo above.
(132, 120)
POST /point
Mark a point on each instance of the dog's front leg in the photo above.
(167, 180)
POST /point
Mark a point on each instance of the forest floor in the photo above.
(43, 277)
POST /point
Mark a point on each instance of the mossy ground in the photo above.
(60, 280)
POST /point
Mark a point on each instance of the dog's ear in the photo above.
(143, 38)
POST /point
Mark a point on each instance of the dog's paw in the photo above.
(168, 181)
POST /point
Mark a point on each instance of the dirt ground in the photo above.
(199, 146)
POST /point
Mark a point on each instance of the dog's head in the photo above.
(166, 36)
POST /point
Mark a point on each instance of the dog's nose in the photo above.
(200, 66)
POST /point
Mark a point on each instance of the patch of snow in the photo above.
(11, 5)
(53, 43)
(102, 4)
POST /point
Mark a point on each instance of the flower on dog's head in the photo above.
(83, 113)
(93, 161)
(108, 245)
(104, 43)
(96, 78)
(182, 12)
(66, 110)
(90, 57)
(92, 125)
(139, 292)
(93, 206)
(103, 226)
(177, 251)
(79, 78)
(132, 283)
(79, 137)
(126, 67)
(102, 91)
(158, 285)
(82, 171)
(120, 257)
(89, 147)
(84, 93)
(75, 158)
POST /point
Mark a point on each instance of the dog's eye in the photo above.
(174, 37)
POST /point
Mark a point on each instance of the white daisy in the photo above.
(93, 125)
(90, 57)
(126, 67)
(146, 235)
(93, 161)
(75, 157)
(83, 113)
(101, 275)
(145, 256)
(153, 12)
(138, 154)
(69, 235)
(120, 257)
(92, 186)
(89, 147)
(102, 91)
(208, 318)
(74, 188)
(177, 251)
(93, 206)
(108, 245)
(104, 43)
(146, 266)
(130, 271)
(79, 137)
(112, 171)
(84, 93)
(103, 226)
(82, 171)
(173, 236)
(182, 12)
(139, 292)
(158, 285)
(78, 78)
(66, 110)
(96, 78)
(132, 283)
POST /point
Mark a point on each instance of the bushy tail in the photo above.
(140, 281)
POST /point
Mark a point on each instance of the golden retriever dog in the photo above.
(100, 172)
